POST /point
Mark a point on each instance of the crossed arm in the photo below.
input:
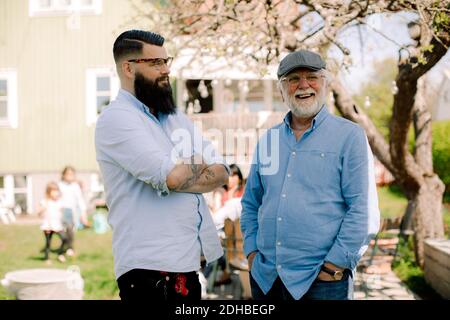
(196, 176)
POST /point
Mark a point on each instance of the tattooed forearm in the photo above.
(209, 174)
(191, 180)
(195, 176)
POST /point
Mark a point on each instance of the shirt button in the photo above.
(283, 195)
(278, 243)
(289, 175)
(293, 153)
(322, 155)
(279, 267)
(279, 219)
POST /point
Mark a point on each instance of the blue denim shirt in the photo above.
(320, 205)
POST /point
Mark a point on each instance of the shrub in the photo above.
(441, 152)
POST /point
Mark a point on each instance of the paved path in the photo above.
(378, 281)
(381, 287)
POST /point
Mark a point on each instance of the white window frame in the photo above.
(9, 190)
(10, 121)
(56, 8)
(91, 90)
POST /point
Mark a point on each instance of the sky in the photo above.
(371, 47)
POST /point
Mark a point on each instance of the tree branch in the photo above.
(402, 159)
(348, 108)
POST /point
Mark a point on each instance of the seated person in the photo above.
(226, 204)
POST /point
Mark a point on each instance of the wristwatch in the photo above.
(336, 274)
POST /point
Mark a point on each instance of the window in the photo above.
(8, 98)
(102, 85)
(64, 7)
(251, 96)
(15, 191)
(200, 96)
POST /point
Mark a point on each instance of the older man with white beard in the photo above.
(306, 226)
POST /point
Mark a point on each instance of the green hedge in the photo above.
(441, 152)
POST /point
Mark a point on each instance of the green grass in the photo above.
(391, 201)
(393, 204)
(446, 209)
(20, 247)
(410, 273)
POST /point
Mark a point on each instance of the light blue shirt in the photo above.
(152, 228)
(321, 205)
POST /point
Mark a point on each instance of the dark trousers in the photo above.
(319, 290)
(208, 268)
(69, 226)
(152, 286)
(48, 240)
(69, 234)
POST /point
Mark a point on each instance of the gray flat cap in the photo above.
(300, 59)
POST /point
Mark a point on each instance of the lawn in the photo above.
(392, 202)
(20, 247)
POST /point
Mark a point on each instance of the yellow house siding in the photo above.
(51, 62)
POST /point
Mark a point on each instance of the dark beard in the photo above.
(158, 98)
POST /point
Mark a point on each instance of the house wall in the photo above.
(51, 55)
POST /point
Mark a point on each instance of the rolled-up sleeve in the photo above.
(122, 138)
(362, 219)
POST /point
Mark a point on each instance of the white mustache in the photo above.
(300, 92)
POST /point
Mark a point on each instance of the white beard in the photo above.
(306, 109)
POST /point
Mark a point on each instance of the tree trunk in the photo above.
(427, 202)
(428, 222)
(414, 173)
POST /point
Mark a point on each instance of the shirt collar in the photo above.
(317, 120)
(128, 96)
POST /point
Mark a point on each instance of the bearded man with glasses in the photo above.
(306, 226)
(160, 220)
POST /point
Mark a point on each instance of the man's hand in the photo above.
(328, 277)
(250, 258)
(196, 176)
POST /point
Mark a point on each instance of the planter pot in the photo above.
(45, 284)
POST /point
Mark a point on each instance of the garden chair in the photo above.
(400, 229)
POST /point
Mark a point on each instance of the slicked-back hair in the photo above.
(132, 41)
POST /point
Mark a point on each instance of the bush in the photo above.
(441, 153)
(409, 272)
